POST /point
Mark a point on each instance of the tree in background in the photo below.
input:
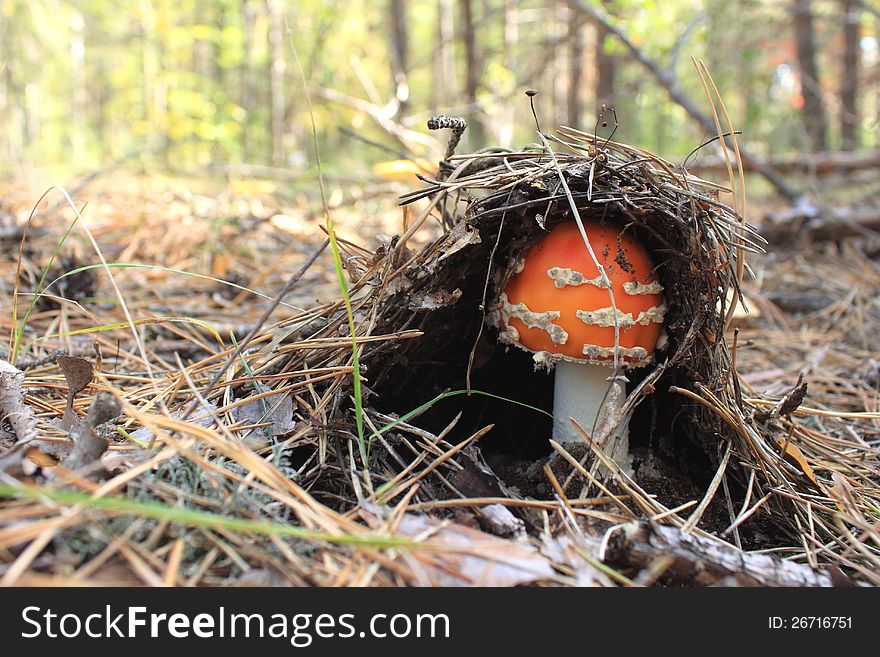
(200, 84)
(574, 106)
(604, 67)
(813, 112)
(399, 48)
(473, 67)
(849, 75)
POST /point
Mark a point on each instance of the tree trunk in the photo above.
(574, 106)
(604, 69)
(154, 88)
(849, 76)
(248, 78)
(79, 93)
(444, 56)
(277, 67)
(399, 46)
(6, 88)
(814, 111)
(473, 68)
(511, 39)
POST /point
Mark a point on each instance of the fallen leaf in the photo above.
(277, 410)
(78, 373)
(202, 417)
(793, 454)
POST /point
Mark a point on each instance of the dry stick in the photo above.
(292, 281)
(701, 560)
(670, 85)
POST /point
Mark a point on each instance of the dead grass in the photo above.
(239, 494)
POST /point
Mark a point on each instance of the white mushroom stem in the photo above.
(583, 392)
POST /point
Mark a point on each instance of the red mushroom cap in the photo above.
(558, 303)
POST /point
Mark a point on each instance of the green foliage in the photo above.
(194, 82)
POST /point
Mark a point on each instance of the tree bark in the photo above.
(805, 41)
(695, 560)
(849, 77)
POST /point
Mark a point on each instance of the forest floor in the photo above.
(208, 256)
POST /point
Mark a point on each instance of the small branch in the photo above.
(829, 224)
(700, 561)
(671, 86)
(814, 164)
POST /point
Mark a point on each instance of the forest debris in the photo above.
(89, 445)
(570, 551)
(789, 403)
(461, 236)
(700, 561)
(745, 307)
(836, 343)
(277, 411)
(17, 413)
(78, 373)
(472, 557)
(842, 493)
(812, 164)
(434, 300)
(476, 479)
(13, 408)
(500, 521)
(823, 224)
(793, 454)
(205, 418)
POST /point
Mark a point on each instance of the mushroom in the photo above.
(560, 306)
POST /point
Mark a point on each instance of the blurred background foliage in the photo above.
(201, 84)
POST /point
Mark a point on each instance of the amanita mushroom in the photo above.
(558, 305)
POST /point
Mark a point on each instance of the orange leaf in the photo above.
(795, 456)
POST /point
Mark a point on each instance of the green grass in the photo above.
(363, 448)
(19, 328)
(193, 518)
